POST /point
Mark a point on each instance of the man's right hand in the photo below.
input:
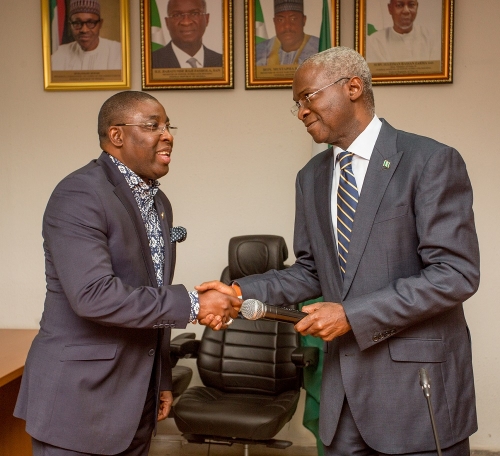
(217, 309)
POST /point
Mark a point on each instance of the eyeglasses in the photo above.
(153, 127)
(193, 15)
(77, 25)
(306, 101)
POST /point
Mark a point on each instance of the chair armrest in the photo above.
(305, 356)
(184, 345)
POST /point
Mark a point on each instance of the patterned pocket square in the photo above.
(178, 234)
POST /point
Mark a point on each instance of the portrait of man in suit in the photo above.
(385, 233)
(98, 374)
(186, 22)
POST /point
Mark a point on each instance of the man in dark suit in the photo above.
(393, 302)
(98, 373)
(186, 23)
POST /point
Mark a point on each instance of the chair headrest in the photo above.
(256, 254)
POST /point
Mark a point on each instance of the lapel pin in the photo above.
(386, 164)
(163, 215)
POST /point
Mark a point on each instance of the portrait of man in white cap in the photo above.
(88, 51)
(290, 46)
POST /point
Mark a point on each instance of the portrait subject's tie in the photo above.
(192, 62)
(347, 201)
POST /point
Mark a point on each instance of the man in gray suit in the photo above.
(98, 373)
(186, 22)
(413, 258)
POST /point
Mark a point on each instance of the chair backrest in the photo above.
(251, 356)
(254, 254)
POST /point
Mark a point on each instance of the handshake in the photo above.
(219, 304)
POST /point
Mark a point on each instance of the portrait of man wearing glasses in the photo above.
(88, 51)
(186, 22)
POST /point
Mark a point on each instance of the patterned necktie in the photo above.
(192, 62)
(347, 201)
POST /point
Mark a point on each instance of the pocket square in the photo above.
(178, 234)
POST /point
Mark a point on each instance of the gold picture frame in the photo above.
(259, 72)
(160, 65)
(64, 57)
(428, 55)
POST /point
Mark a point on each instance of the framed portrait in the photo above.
(85, 44)
(281, 34)
(187, 44)
(406, 41)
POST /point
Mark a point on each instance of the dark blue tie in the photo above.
(347, 201)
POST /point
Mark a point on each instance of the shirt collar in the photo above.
(134, 181)
(183, 57)
(363, 145)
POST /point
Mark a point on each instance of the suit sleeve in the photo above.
(295, 284)
(86, 240)
(447, 249)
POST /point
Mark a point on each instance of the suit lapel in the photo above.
(165, 216)
(323, 181)
(376, 180)
(124, 194)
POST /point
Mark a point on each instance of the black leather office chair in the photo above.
(251, 386)
(182, 346)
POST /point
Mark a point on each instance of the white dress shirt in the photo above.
(362, 148)
(183, 57)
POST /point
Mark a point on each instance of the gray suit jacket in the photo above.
(103, 326)
(165, 58)
(413, 260)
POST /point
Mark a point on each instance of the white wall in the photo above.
(234, 165)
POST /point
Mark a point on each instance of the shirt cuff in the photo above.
(195, 305)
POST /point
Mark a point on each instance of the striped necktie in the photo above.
(347, 201)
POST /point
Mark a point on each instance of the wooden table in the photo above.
(14, 346)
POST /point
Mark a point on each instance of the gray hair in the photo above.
(114, 108)
(343, 61)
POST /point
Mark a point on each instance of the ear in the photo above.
(115, 135)
(355, 86)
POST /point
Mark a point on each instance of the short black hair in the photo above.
(114, 108)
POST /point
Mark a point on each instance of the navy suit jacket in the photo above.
(105, 327)
(165, 58)
(413, 260)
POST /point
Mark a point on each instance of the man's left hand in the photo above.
(326, 320)
(166, 401)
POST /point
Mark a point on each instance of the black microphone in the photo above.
(252, 309)
(425, 383)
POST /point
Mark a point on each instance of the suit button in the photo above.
(151, 352)
(155, 326)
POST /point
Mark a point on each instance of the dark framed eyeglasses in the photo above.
(193, 15)
(153, 127)
(305, 102)
(78, 25)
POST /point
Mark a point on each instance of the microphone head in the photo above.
(424, 378)
(252, 309)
